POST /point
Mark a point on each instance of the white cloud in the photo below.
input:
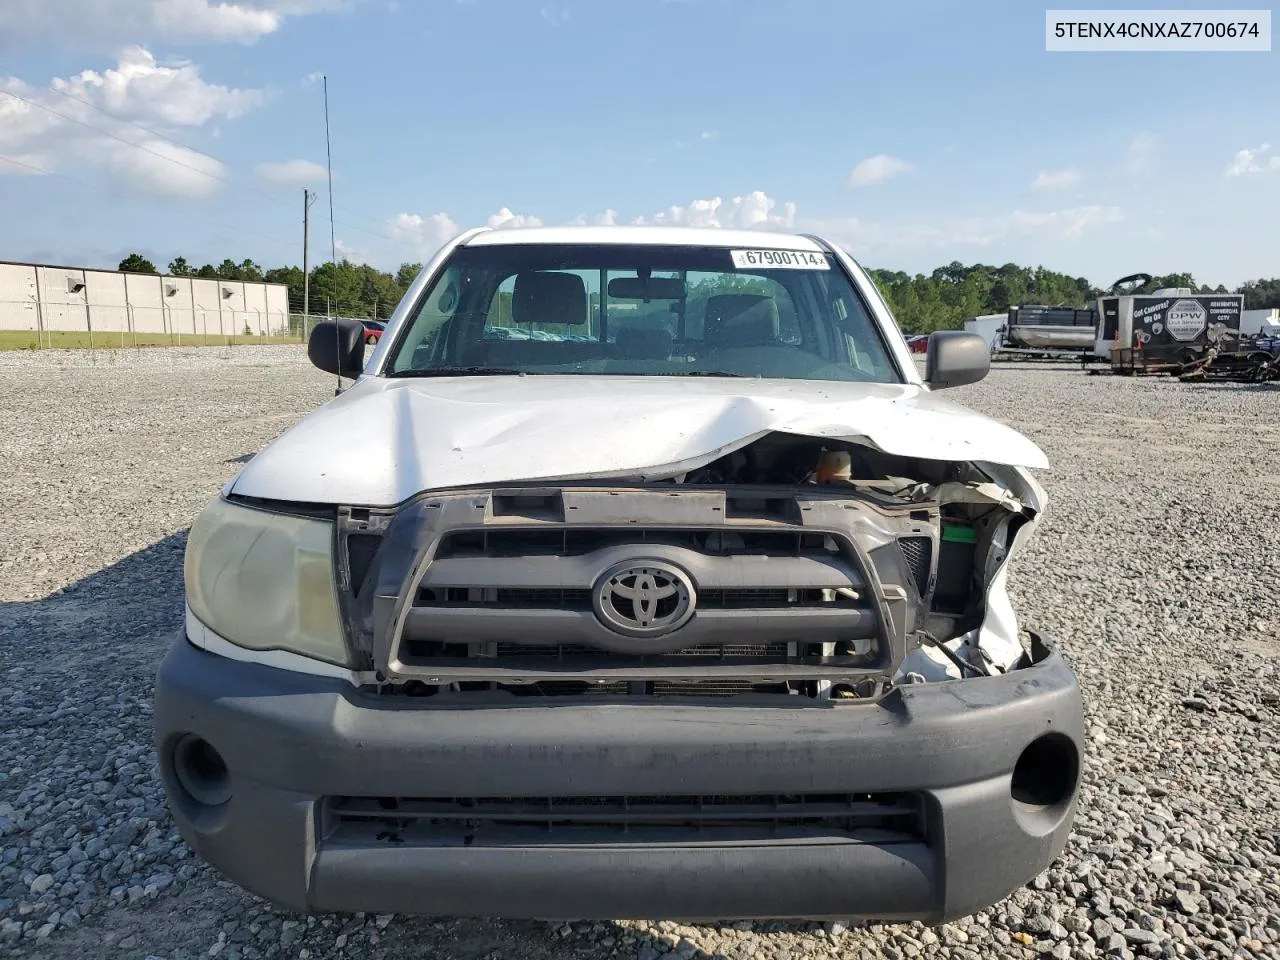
(312, 78)
(1055, 179)
(139, 87)
(292, 173)
(504, 218)
(1252, 160)
(877, 169)
(709, 134)
(555, 14)
(82, 120)
(756, 209)
(423, 236)
(1063, 224)
(1137, 159)
(607, 219)
(102, 24)
(164, 169)
(1069, 223)
(349, 253)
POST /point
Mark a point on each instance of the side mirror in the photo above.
(337, 347)
(954, 358)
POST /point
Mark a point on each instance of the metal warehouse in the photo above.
(42, 297)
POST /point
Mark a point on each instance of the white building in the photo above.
(41, 297)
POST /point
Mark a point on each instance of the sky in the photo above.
(913, 134)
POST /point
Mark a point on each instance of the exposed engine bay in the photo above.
(792, 566)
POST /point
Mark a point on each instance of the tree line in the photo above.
(943, 299)
(339, 288)
(940, 300)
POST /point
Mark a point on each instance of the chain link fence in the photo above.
(26, 324)
(45, 306)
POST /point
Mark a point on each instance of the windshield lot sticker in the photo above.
(779, 259)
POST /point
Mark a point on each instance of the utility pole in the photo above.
(308, 198)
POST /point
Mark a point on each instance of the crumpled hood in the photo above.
(385, 440)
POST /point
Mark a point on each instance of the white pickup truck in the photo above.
(639, 574)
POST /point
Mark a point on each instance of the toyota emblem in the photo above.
(644, 599)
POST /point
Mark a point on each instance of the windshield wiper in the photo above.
(459, 372)
(716, 373)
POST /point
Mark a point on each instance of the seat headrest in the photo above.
(741, 319)
(545, 296)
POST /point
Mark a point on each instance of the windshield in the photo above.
(641, 311)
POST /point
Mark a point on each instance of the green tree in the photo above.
(407, 273)
(1261, 294)
(1175, 280)
(136, 263)
(379, 292)
(179, 267)
(337, 286)
(208, 272)
(291, 277)
(943, 299)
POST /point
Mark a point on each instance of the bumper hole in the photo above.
(201, 771)
(1045, 774)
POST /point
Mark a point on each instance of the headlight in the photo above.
(265, 581)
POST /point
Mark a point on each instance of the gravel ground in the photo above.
(1156, 570)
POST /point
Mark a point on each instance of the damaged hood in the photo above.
(385, 440)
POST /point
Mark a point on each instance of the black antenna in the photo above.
(333, 243)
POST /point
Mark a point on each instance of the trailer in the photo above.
(1037, 331)
(1167, 330)
(1051, 329)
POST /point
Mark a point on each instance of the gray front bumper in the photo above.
(290, 739)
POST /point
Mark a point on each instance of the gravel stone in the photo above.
(1187, 903)
(42, 883)
(1154, 572)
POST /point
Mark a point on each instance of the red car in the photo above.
(373, 330)
(919, 343)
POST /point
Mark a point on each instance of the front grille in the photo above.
(713, 688)
(559, 598)
(656, 688)
(918, 552)
(763, 651)
(578, 541)
(872, 818)
(571, 655)
(525, 598)
(504, 599)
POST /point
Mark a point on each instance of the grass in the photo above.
(60, 340)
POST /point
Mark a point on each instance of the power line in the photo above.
(175, 160)
(178, 143)
(113, 136)
(84, 183)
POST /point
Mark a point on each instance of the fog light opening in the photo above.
(1045, 775)
(201, 771)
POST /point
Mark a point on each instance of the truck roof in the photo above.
(660, 236)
